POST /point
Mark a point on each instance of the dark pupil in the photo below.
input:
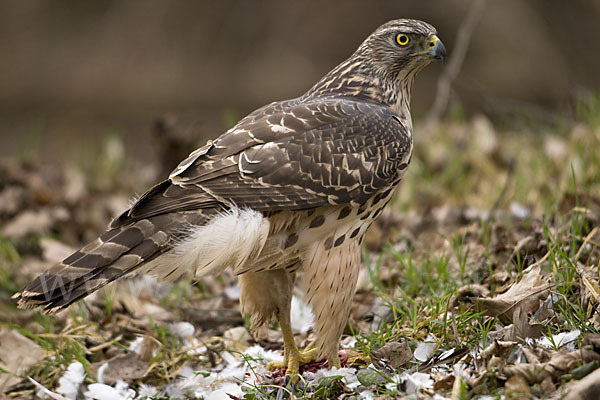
(403, 39)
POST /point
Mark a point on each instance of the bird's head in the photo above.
(383, 67)
(402, 47)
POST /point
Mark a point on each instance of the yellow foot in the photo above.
(295, 359)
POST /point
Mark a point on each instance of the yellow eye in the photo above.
(402, 39)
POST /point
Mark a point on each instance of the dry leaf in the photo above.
(518, 385)
(559, 364)
(547, 386)
(522, 328)
(499, 278)
(523, 297)
(238, 335)
(497, 348)
(38, 222)
(589, 281)
(127, 367)
(587, 388)
(392, 355)
(466, 294)
(17, 355)
(592, 339)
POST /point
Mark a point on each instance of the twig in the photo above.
(463, 38)
(587, 239)
(509, 176)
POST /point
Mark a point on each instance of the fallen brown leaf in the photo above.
(392, 355)
(559, 364)
(516, 384)
(523, 297)
(127, 367)
(17, 354)
(587, 388)
(497, 348)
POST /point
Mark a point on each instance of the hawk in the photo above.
(291, 189)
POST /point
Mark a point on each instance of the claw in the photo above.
(287, 388)
(275, 365)
(294, 360)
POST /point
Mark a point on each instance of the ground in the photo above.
(480, 280)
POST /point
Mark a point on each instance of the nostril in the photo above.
(432, 44)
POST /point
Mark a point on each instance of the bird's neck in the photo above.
(358, 79)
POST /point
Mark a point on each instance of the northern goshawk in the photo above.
(293, 187)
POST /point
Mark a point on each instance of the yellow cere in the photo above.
(433, 39)
(431, 42)
(402, 39)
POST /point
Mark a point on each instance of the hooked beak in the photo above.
(437, 50)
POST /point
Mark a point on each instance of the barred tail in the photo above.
(118, 252)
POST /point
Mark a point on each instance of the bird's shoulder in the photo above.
(294, 121)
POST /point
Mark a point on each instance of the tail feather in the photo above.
(117, 252)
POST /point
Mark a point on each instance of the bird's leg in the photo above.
(292, 357)
(334, 360)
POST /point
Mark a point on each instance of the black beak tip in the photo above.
(439, 52)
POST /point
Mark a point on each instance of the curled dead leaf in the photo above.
(516, 384)
(392, 356)
(497, 348)
(522, 297)
(127, 367)
(587, 388)
(17, 354)
(467, 293)
(590, 282)
(559, 364)
(593, 340)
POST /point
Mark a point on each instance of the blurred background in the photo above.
(73, 72)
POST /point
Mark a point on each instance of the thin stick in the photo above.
(463, 38)
(587, 239)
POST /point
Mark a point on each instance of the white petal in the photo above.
(43, 391)
(417, 381)
(146, 391)
(68, 384)
(182, 330)
(425, 349)
(136, 344)
(100, 373)
(559, 340)
(100, 391)
(219, 394)
(366, 395)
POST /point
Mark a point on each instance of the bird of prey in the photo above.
(290, 190)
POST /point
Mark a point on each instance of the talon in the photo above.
(307, 356)
(275, 365)
(292, 362)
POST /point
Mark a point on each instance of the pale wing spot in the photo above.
(190, 160)
(280, 129)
